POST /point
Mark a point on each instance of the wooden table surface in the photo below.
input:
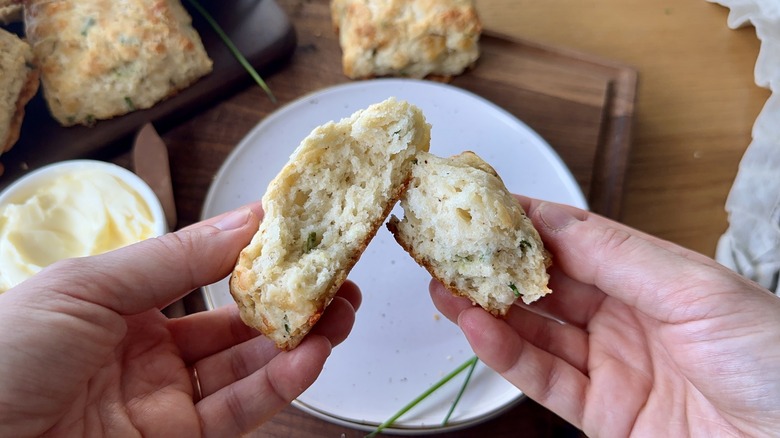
(695, 108)
(696, 104)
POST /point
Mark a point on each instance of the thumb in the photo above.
(155, 272)
(639, 270)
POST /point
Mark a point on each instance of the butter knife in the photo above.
(150, 162)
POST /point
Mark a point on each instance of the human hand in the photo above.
(656, 340)
(86, 350)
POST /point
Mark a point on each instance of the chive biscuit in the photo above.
(464, 226)
(18, 84)
(102, 58)
(321, 211)
(411, 38)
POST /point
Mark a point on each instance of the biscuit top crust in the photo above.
(104, 58)
(412, 38)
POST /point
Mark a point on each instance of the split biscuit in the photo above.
(464, 226)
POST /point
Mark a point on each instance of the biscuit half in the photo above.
(464, 226)
(321, 211)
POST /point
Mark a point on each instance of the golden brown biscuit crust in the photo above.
(412, 38)
(101, 58)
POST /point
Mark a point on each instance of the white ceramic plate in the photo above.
(399, 345)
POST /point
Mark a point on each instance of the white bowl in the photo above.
(26, 186)
(31, 184)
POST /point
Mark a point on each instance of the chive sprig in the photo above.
(469, 364)
(233, 49)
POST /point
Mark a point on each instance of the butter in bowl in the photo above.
(70, 209)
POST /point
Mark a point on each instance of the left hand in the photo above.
(86, 350)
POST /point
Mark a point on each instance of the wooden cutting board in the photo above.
(583, 106)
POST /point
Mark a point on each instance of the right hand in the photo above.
(657, 340)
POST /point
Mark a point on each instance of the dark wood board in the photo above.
(259, 28)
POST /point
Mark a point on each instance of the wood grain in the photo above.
(581, 104)
(696, 103)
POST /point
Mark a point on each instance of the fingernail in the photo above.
(234, 219)
(555, 217)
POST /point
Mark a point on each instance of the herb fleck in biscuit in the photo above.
(321, 211)
(462, 224)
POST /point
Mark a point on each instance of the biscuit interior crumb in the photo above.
(462, 224)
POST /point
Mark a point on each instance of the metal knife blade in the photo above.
(150, 162)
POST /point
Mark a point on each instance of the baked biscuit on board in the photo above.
(104, 58)
(321, 211)
(464, 226)
(411, 38)
(18, 84)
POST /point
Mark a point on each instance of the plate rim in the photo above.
(409, 430)
(282, 110)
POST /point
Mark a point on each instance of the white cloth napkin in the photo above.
(751, 244)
